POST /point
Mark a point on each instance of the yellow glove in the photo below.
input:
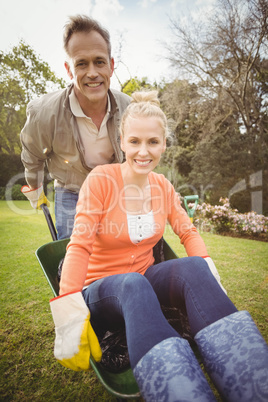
(36, 197)
(75, 337)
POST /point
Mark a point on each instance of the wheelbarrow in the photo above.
(188, 199)
(121, 385)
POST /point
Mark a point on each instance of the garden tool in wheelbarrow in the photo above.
(191, 199)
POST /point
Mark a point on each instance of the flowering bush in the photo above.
(223, 219)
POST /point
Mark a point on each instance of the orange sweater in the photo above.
(100, 245)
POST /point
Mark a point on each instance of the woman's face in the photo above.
(143, 143)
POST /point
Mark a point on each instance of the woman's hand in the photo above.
(75, 338)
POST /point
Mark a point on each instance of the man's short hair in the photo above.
(82, 23)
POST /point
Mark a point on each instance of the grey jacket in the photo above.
(51, 136)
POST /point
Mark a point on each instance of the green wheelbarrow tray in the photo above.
(122, 385)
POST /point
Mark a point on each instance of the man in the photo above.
(75, 129)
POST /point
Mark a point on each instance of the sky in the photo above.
(143, 24)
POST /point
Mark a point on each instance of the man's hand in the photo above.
(35, 196)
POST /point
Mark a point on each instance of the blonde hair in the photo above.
(144, 104)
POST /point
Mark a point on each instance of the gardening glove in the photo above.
(214, 271)
(75, 337)
(36, 197)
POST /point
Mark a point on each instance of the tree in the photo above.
(23, 76)
(224, 57)
(180, 101)
(220, 158)
(227, 54)
(135, 84)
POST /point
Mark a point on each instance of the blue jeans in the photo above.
(65, 209)
(134, 300)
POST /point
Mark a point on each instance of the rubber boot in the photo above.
(236, 358)
(170, 372)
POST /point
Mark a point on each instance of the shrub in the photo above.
(16, 194)
(2, 193)
(10, 166)
(223, 219)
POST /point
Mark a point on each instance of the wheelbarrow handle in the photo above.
(50, 222)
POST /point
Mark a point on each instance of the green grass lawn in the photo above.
(28, 368)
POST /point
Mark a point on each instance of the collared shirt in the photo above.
(98, 147)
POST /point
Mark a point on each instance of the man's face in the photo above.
(90, 67)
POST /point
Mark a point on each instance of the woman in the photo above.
(121, 214)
